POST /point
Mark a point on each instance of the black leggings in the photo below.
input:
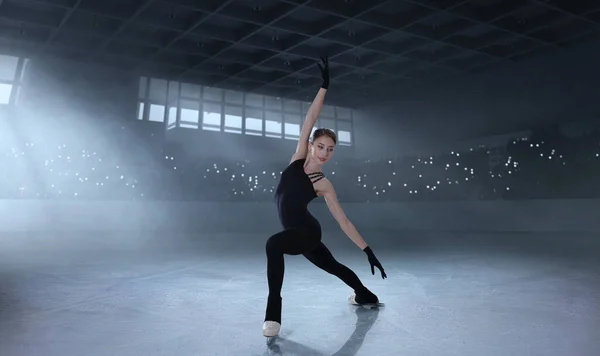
(307, 243)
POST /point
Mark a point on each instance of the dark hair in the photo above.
(324, 132)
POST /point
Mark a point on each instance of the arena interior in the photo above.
(141, 142)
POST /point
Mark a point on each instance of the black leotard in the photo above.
(294, 192)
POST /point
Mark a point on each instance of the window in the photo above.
(343, 113)
(344, 138)
(328, 110)
(8, 68)
(344, 132)
(172, 123)
(272, 103)
(12, 71)
(190, 91)
(233, 119)
(305, 107)
(211, 118)
(192, 106)
(234, 97)
(172, 99)
(140, 114)
(291, 126)
(335, 118)
(157, 113)
(273, 129)
(142, 96)
(327, 123)
(158, 91)
(152, 99)
(254, 122)
(174, 93)
(254, 100)
(273, 124)
(213, 94)
(143, 87)
(292, 106)
(5, 91)
(190, 114)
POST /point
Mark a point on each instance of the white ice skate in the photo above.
(352, 300)
(271, 328)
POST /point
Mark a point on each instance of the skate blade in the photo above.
(370, 305)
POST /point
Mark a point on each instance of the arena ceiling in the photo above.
(270, 46)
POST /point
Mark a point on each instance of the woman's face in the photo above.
(322, 149)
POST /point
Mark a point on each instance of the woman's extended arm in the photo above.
(313, 113)
(340, 216)
(326, 189)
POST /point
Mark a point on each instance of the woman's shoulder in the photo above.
(296, 160)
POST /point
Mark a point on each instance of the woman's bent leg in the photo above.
(290, 242)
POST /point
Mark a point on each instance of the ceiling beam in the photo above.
(56, 31)
(186, 32)
(122, 27)
(248, 35)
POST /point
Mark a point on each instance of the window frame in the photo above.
(280, 107)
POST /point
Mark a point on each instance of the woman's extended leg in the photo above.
(322, 258)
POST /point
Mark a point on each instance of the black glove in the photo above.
(324, 72)
(374, 262)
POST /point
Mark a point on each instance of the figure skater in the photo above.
(301, 182)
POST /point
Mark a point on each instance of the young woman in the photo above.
(300, 183)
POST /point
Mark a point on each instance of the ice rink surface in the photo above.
(204, 294)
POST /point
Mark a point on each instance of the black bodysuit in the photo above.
(294, 192)
(301, 235)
